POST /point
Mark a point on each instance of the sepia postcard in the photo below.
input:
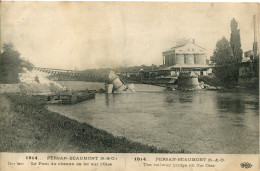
(129, 85)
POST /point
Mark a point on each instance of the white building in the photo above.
(186, 56)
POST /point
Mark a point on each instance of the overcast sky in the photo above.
(81, 35)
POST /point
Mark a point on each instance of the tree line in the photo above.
(124, 69)
(11, 64)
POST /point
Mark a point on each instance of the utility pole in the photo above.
(163, 60)
(255, 39)
(125, 70)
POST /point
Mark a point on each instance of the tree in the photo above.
(11, 64)
(235, 42)
(226, 67)
(228, 56)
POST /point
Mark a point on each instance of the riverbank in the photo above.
(27, 126)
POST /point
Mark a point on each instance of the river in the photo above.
(195, 121)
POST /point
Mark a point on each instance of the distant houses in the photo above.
(249, 67)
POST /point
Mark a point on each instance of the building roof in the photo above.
(177, 46)
(182, 45)
(246, 59)
(186, 48)
(251, 51)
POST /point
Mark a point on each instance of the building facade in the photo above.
(186, 56)
(188, 53)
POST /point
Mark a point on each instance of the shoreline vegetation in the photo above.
(28, 126)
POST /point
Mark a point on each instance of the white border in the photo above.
(235, 1)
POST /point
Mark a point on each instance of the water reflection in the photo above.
(196, 121)
(169, 98)
(230, 105)
(107, 99)
(185, 97)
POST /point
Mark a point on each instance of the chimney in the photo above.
(193, 41)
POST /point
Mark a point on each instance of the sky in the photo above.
(84, 35)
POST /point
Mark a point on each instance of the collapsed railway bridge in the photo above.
(113, 82)
(75, 75)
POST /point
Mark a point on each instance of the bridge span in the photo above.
(114, 84)
(76, 75)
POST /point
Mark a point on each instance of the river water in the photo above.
(195, 121)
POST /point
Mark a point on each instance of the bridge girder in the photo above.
(86, 76)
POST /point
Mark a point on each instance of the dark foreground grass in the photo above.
(27, 126)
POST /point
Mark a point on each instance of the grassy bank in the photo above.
(27, 126)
